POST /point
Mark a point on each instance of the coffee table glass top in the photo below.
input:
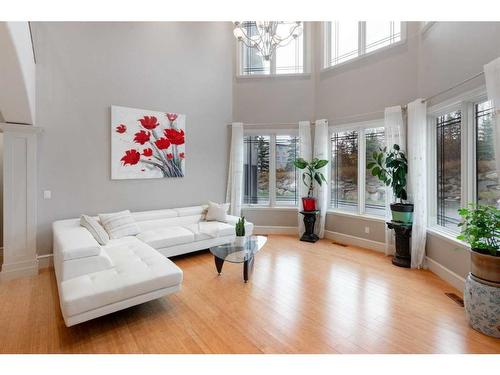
(233, 253)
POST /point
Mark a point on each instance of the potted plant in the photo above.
(240, 232)
(391, 167)
(309, 176)
(480, 228)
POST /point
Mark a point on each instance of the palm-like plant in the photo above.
(311, 172)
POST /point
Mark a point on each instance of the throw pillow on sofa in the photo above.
(119, 224)
(217, 212)
(96, 229)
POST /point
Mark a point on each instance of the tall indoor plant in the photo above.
(480, 228)
(310, 175)
(391, 167)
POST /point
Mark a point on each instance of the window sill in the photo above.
(354, 215)
(269, 208)
(274, 76)
(359, 60)
(446, 235)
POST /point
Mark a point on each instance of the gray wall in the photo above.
(1, 189)
(84, 68)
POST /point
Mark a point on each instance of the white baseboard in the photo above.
(447, 275)
(275, 230)
(45, 261)
(20, 269)
(355, 241)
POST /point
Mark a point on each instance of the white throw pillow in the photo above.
(119, 224)
(96, 229)
(217, 212)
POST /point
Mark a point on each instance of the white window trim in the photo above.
(464, 102)
(360, 127)
(307, 48)
(326, 53)
(271, 133)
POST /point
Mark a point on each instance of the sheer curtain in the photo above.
(417, 178)
(305, 153)
(234, 191)
(321, 152)
(492, 76)
(395, 133)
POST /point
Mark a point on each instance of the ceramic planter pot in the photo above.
(402, 212)
(240, 241)
(485, 267)
(309, 204)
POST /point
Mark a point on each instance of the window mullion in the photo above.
(272, 170)
(361, 38)
(361, 171)
(468, 155)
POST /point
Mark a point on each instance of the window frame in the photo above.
(271, 133)
(466, 104)
(306, 48)
(362, 54)
(360, 127)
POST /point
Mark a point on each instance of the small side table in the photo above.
(402, 258)
(309, 222)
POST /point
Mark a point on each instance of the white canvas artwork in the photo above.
(147, 144)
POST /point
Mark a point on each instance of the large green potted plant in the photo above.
(391, 167)
(311, 175)
(480, 228)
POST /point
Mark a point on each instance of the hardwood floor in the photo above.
(302, 298)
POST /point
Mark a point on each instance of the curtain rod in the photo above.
(453, 87)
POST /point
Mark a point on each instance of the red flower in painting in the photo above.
(170, 156)
(121, 129)
(176, 137)
(171, 117)
(181, 155)
(162, 143)
(149, 122)
(147, 152)
(131, 157)
(142, 137)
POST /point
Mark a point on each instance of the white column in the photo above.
(19, 211)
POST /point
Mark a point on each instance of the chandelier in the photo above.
(266, 36)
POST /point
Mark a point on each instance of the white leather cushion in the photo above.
(210, 229)
(119, 224)
(73, 241)
(217, 211)
(189, 211)
(138, 269)
(95, 229)
(166, 237)
(154, 215)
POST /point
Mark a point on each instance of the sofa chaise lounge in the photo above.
(95, 280)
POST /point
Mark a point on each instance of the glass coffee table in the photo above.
(234, 253)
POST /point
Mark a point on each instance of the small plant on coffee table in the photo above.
(240, 227)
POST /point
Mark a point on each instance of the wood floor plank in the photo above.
(302, 298)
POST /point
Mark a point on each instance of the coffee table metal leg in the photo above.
(218, 264)
(247, 268)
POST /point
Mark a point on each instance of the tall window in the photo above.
(374, 188)
(346, 40)
(344, 174)
(288, 59)
(449, 177)
(270, 178)
(487, 179)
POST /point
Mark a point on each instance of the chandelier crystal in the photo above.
(266, 36)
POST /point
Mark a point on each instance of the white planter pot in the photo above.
(240, 241)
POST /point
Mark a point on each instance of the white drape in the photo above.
(417, 178)
(395, 133)
(321, 152)
(305, 153)
(492, 76)
(234, 191)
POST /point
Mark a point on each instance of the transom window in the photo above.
(464, 170)
(346, 40)
(288, 59)
(270, 178)
(353, 187)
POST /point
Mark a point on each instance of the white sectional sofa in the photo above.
(95, 280)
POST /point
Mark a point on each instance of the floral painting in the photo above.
(147, 144)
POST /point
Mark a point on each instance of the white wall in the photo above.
(84, 68)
